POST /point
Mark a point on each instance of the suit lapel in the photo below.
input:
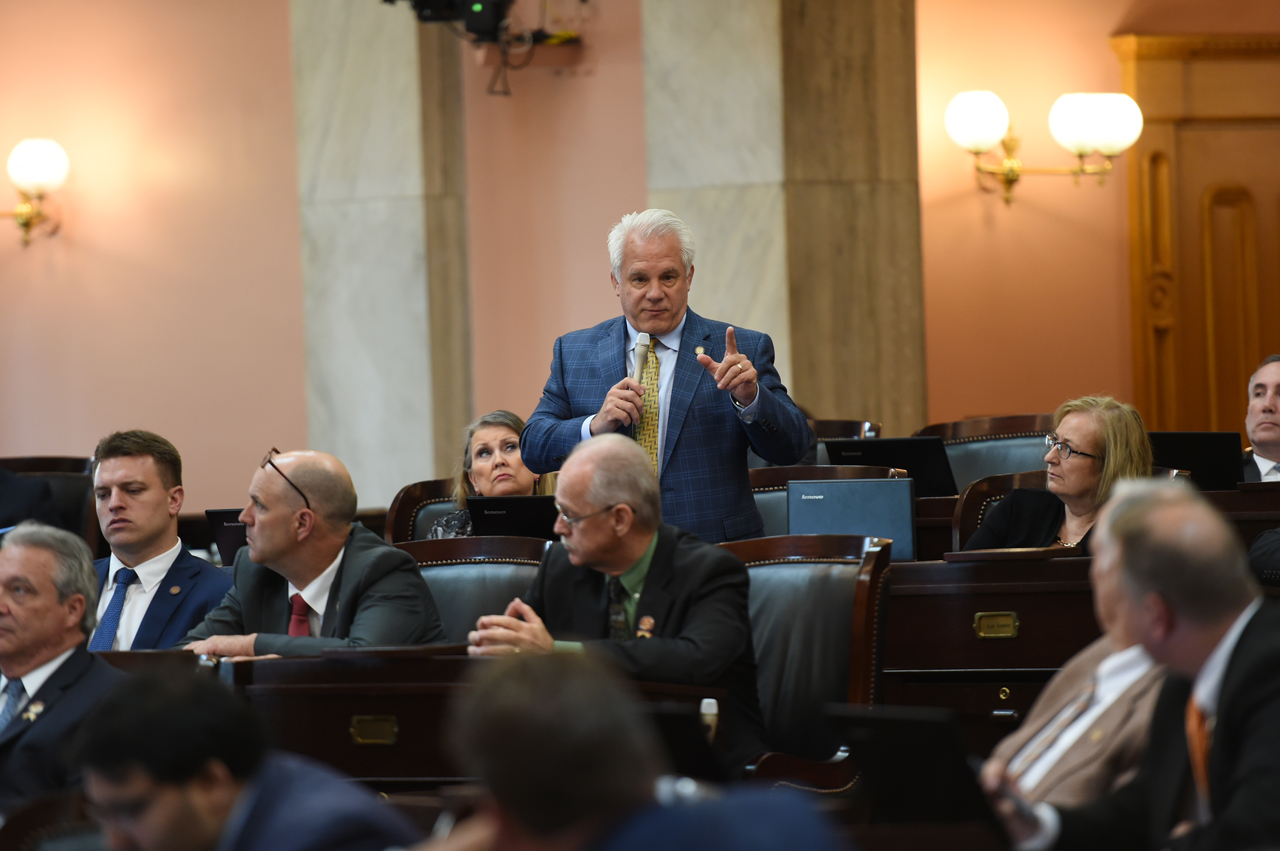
(613, 354)
(685, 384)
(655, 599)
(337, 593)
(181, 575)
(67, 675)
(589, 605)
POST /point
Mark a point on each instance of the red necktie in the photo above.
(299, 625)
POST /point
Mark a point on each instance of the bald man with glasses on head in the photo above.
(310, 578)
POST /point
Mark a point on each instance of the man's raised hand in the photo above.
(735, 373)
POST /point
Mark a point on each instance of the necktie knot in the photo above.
(126, 576)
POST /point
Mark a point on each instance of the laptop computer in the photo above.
(914, 769)
(1211, 457)
(228, 532)
(885, 508)
(924, 459)
(522, 516)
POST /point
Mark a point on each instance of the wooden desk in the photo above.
(932, 656)
(1253, 509)
(933, 526)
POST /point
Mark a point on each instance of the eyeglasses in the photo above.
(267, 460)
(574, 521)
(1052, 441)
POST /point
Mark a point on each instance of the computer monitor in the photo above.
(924, 459)
(228, 532)
(522, 516)
(1213, 458)
(884, 508)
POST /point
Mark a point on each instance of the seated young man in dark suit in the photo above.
(310, 578)
(151, 591)
(662, 604)
(568, 761)
(49, 681)
(180, 763)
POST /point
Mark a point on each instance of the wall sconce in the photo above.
(36, 166)
(1082, 123)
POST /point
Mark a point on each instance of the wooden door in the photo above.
(1204, 192)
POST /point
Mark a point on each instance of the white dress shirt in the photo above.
(33, 680)
(667, 353)
(1268, 470)
(1206, 690)
(1112, 678)
(316, 595)
(139, 594)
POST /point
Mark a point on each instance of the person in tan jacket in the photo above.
(1087, 731)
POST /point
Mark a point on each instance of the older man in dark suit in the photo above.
(660, 603)
(310, 578)
(706, 391)
(50, 682)
(1211, 774)
(1261, 461)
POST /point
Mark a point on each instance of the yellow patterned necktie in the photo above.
(647, 430)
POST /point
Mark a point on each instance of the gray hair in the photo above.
(623, 475)
(1193, 560)
(75, 573)
(645, 226)
(1269, 359)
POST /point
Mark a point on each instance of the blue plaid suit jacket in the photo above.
(704, 481)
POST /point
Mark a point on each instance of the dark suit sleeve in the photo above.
(994, 533)
(396, 609)
(714, 634)
(226, 619)
(1264, 557)
(552, 431)
(780, 432)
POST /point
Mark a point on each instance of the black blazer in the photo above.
(696, 594)
(1024, 518)
(33, 744)
(378, 599)
(1244, 764)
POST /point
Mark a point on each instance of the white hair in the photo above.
(645, 226)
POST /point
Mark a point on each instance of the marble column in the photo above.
(365, 262)
(784, 133)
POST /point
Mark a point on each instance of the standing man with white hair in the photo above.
(717, 391)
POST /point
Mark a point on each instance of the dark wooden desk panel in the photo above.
(933, 525)
(931, 655)
(1253, 509)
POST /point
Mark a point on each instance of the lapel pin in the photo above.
(1096, 736)
(699, 350)
(175, 590)
(33, 711)
(643, 633)
(646, 624)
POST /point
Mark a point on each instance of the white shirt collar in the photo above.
(1208, 684)
(317, 593)
(1264, 464)
(33, 681)
(671, 339)
(150, 573)
(1120, 670)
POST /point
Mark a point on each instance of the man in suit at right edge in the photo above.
(1211, 775)
(1261, 462)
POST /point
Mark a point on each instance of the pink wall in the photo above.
(1027, 305)
(549, 170)
(172, 299)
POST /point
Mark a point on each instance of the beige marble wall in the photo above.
(364, 263)
(713, 122)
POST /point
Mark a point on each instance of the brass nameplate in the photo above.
(996, 624)
(374, 729)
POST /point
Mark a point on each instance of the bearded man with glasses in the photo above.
(658, 602)
(310, 578)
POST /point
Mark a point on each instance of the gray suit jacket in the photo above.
(1108, 755)
(378, 599)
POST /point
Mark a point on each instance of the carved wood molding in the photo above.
(1130, 47)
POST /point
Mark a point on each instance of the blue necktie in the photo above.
(106, 634)
(12, 691)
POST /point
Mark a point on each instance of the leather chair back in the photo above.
(72, 486)
(416, 507)
(471, 577)
(977, 458)
(769, 487)
(813, 630)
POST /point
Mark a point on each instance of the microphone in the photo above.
(642, 355)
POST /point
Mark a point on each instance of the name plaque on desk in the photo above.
(374, 729)
(996, 624)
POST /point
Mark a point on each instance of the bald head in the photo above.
(325, 481)
(1172, 543)
(619, 472)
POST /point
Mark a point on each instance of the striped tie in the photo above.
(647, 431)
